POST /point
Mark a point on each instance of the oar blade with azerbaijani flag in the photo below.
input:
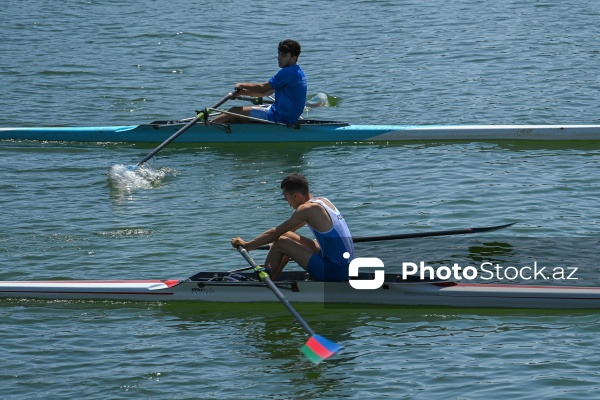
(317, 348)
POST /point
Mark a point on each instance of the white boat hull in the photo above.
(297, 290)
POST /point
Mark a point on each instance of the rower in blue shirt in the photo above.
(288, 85)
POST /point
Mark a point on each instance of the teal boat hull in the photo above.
(310, 131)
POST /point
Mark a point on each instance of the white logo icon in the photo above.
(366, 262)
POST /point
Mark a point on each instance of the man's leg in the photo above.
(290, 245)
(233, 119)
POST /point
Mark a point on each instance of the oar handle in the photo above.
(267, 280)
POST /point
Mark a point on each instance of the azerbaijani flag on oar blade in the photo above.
(317, 348)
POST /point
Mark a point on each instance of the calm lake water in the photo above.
(397, 62)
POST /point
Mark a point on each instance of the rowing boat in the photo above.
(305, 131)
(241, 287)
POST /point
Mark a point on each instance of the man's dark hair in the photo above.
(295, 183)
(289, 46)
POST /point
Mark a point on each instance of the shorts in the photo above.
(323, 269)
(262, 112)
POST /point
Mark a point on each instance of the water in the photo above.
(410, 62)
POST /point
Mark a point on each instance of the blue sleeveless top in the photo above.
(338, 240)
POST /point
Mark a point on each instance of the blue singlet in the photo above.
(330, 264)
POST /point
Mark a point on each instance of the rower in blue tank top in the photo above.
(327, 258)
(337, 248)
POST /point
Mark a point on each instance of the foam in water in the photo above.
(141, 177)
(319, 100)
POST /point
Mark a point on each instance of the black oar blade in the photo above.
(491, 228)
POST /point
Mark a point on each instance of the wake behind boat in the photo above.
(223, 287)
(304, 131)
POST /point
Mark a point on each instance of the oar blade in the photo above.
(491, 228)
(318, 348)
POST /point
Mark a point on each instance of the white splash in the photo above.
(129, 178)
(319, 100)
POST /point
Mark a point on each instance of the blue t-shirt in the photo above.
(290, 94)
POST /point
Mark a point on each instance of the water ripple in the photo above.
(387, 62)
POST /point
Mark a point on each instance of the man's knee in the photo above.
(282, 242)
(236, 109)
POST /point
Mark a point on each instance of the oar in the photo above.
(420, 234)
(255, 100)
(317, 348)
(174, 136)
(428, 234)
(318, 100)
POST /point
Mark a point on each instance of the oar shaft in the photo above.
(419, 234)
(170, 139)
(319, 100)
(429, 234)
(255, 100)
(180, 131)
(267, 280)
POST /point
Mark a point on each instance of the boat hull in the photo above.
(310, 131)
(297, 290)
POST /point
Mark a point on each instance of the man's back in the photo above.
(290, 94)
